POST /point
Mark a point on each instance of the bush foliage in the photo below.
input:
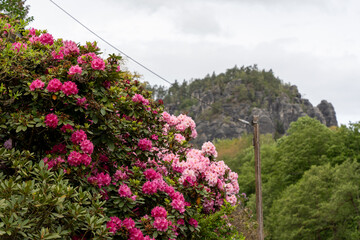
(90, 155)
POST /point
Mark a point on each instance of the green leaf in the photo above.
(102, 111)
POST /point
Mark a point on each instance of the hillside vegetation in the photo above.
(216, 103)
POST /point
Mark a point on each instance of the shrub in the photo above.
(84, 117)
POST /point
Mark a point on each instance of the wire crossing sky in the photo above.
(310, 43)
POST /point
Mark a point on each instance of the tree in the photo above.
(15, 9)
(324, 204)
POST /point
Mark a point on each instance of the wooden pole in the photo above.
(259, 209)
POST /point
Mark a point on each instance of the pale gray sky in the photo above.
(313, 44)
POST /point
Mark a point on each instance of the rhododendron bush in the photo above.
(84, 116)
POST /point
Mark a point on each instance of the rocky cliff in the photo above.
(217, 102)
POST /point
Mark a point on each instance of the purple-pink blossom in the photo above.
(158, 212)
(78, 136)
(98, 64)
(124, 191)
(75, 70)
(69, 88)
(145, 144)
(66, 127)
(51, 120)
(74, 158)
(46, 38)
(36, 84)
(149, 187)
(193, 222)
(87, 146)
(161, 224)
(54, 85)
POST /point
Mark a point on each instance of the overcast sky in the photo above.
(314, 44)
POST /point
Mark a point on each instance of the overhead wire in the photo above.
(137, 62)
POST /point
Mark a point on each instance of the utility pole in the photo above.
(258, 190)
(259, 209)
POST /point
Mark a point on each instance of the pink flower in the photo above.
(179, 205)
(85, 159)
(69, 88)
(32, 32)
(75, 70)
(193, 222)
(128, 223)
(74, 158)
(114, 224)
(209, 149)
(124, 191)
(101, 179)
(119, 175)
(135, 234)
(138, 98)
(51, 120)
(154, 137)
(57, 55)
(181, 221)
(34, 39)
(17, 46)
(78, 136)
(70, 47)
(158, 212)
(66, 127)
(87, 146)
(179, 138)
(149, 187)
(46, 38)
(145, 144)
(98, 64)
(161, 224)
(37, 84)
(54, 85)
(151, 174)
(118, 68)
(231, 199)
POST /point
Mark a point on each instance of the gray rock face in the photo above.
(275, 114)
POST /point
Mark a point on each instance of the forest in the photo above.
(310, 179)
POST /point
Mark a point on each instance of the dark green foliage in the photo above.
(36, 203)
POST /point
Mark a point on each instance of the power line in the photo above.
(137, 62)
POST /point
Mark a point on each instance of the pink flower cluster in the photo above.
(75, 70)
(69, 88)
(209, 149)
(101, 179)
(217, 175)
(180, 123)
(53, 162)
(46, 38)
(36, 84)
(75, 158)
(17, 46)
(70, 47)
(115, 224)
(51, 120)
(96, 62)
(145, 144)
(138, 98)
(124, 191)
(54, 85)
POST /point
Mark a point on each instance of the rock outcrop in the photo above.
(219, 109)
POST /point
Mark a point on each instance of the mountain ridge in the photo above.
(216, 103)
